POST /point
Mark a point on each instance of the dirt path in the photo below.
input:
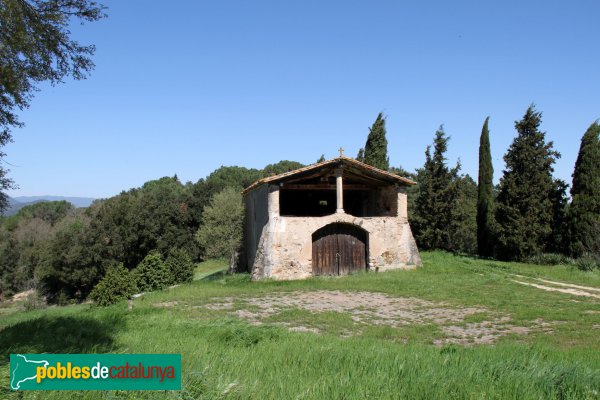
(22, 295)
(587, 288)
(567, 288)
(574, 292)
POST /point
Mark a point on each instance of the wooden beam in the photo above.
(353, 173)
(321, 172)
(324, 187)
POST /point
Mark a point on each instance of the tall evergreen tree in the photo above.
(462, 230)
(485, 194)
(376, 147)
(525, 207)
(584, 212)
(361, 155)
(558, 199)
(436, 197)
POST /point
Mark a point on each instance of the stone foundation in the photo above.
(285, 249)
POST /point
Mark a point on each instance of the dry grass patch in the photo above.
(463, 326)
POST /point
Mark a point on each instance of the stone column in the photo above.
(339, 190)
(403, 203)
(273, 205)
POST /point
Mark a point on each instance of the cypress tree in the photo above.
(525, 207)
(485, 194)
(584, 212)
(436, 197)
(375, 153)
(361, 155)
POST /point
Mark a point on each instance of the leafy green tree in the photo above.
(152, 273)
(6, 183)
(181, 266)
(157, 216)
(437, 195)
(118, 284)
(524, 208)
(122, 229)
(49, 211)
(9, 257)
(239, 177)
(584, 211)
(375, 153)
(203, 191)
(321, 159)
(70, 267)
(24, 238)
(161, 215)
(280, 168)
(221, 232)
(485, 195)
(36, 46)
(30, 238)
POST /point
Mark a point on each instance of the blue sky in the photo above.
(187, 88)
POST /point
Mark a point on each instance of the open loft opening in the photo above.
(316, 194)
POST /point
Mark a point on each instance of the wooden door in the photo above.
(339, 249)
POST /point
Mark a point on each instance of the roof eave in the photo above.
(341, 159)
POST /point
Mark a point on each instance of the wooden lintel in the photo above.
(324, 187)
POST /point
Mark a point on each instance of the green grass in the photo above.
(225, 357)
(210, 268)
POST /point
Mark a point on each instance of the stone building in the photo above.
(329, 218)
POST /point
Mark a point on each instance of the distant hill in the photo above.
(18, 202)
(76, 201)
(13, 207)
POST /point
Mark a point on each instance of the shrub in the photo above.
(550, 259)
(152, 273)
(180, 265)
(115, 286)
(588, 263)
(34, 302)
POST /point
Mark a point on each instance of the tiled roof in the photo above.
(334, 161)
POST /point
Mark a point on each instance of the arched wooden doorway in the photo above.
(338, 249)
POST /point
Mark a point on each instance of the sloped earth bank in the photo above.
(369, 308)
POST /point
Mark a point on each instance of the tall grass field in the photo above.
(472, 329)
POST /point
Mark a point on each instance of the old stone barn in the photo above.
(330, 218)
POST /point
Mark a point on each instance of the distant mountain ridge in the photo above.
(18, 202)
(76, 201)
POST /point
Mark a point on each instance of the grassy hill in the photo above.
(456, 328)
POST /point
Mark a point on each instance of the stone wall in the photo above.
(284, 250)
(255, 219)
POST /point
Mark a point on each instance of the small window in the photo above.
(322, 202)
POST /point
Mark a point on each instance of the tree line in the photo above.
(527, 216)
(64, 252)
(149, 237)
